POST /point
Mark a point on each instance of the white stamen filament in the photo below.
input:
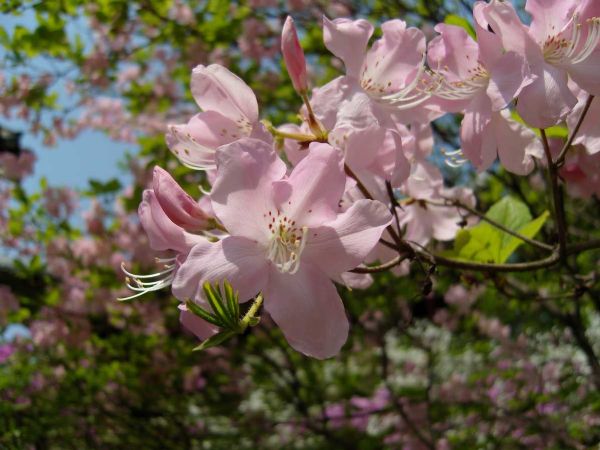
(558, 50)
(463, 89)
(142, 284)
(187, 141)
(455, 158)
(406, 98)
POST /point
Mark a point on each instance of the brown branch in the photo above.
(558, 204)
(560, 161)
(530, 266)
(381, 268)
(482, 216)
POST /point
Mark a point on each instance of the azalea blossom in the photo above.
(481, 80)
(230, 112)
(561, 42)
(390, 72)
(287, 240)
(170, 218)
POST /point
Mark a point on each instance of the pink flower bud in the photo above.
(182, 209)
(293, 56)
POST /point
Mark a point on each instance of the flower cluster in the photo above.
(294, 208)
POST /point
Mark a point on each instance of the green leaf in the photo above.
(215, 301)
(529, 230)
(205, 315)
(232, 302)
(555, 132)
(454, 19)
(486, 243)
(253, 321)
(214, 340)
(98, 187)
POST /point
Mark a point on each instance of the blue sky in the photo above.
(69, 162)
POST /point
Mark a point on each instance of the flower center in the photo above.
(558, 49)
(385, 92)
(286, 243)
(462, 89)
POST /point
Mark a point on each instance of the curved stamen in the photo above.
(455, 158)
(142, 284)
(560, 50)
(405, 98)
(463, 89)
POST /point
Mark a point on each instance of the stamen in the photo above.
(455, 158)
(408, 97)
(142, 284)
(286, 244)
(461, 90)
(560, 50)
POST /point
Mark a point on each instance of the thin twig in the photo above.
(381, 268)
(558, 206)
(560, 161)
(510, 267)
(482, 216)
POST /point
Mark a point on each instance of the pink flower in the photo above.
(390, 72)
(170, 218)
(167, 212)
(561, 42)
(481, 81)
(288, 240)
(294, 56)
(177, 204)
(230, 112)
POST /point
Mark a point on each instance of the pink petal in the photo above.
(355, 280)
(162, 233)
(356, 110)
(454, 53)
(509, 74)
(500, 30)
(344, 243)
(517, 145)
(238, 260)
(195, 143)
(177, 204)
(589, 134)
(474, 127)
(347, 39)
(548, 100)
(242, 192)
(446, 221)
(585, 73)
(194, 324)
(393, 61)
(391, 161)
(294, 150)
(293, 55)
(360, 145)
(549, 17)
(316, 186)
(215, 88)
(309, 311)
(326, 100)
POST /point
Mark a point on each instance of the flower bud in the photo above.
(293, 56)
(182, 209)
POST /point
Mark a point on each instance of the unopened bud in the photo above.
(293, 55)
